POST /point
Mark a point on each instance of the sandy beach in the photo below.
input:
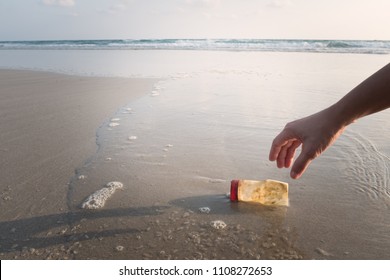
(48, 123)
(51, 125)
(173, 139)
(127, 128)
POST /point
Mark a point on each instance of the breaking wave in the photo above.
(261, 45)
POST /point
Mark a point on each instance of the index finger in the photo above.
(277, 144)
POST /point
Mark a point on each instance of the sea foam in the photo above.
(113, 124)
(99, 198)
(205, 210)
(218, 224)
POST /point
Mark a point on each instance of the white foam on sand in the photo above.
(205, 210)
(119, 248)
(158, 87)
(168, 146)
(155, 93)
(218, 224)
(115, 119)
(127, 111)
(113, 124)
(133, 137)
(99, 198)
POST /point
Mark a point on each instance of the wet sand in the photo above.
(51, 126)
(48, 126)
(174, 151)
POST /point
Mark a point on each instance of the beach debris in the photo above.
(115, 119)
(204, 210)
(82, 177)
(155, 93)
(113, 124)
(99, 198)
(218, 224)
(108, 159)
(133, 137)
(267, 192)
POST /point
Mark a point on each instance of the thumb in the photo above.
(301, 164)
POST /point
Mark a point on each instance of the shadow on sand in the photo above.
(30, 232)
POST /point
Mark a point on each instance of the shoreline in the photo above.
(49, 123)
(227, 108)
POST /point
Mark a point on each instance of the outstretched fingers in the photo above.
(279, 142)
(283, 149)
(281, 160)
(291, 153)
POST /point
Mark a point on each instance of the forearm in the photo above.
(371, 96)
(317, 132)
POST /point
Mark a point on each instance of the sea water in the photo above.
(263, 45)
(211, 118)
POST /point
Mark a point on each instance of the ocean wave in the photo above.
(341, 44)
(323, 46)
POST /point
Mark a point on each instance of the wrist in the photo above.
(337, 117)
(345, 112)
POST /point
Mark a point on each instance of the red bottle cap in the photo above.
(234, 190)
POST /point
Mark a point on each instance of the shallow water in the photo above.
(179, 147)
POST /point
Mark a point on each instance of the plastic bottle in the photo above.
(267, 192)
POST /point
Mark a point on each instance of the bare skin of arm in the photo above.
(319, 131)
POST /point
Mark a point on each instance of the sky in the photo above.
(159, 19)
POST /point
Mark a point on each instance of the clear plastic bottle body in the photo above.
(267, 192)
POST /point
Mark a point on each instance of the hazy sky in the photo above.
(135, 19)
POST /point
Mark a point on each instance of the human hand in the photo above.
(315, 133)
